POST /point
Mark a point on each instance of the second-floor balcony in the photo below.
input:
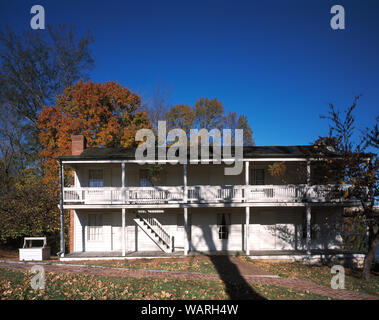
(204, 194)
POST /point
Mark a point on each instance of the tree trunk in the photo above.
(369, 258)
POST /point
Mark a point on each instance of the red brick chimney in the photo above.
(78, 144)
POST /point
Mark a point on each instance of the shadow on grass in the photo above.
(236, 287)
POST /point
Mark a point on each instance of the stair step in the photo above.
(157, 239)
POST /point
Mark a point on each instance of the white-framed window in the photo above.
(95, 227)
(257, 176)
(95, 177)
(144, 178)
(223, 224)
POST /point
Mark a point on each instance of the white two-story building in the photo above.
(117, 209)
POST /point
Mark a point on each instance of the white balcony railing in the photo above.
(93, 195)
(153, 194)
(215, 193)
(201, 194)
(272, 193)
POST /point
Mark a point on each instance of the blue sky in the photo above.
(278, 62)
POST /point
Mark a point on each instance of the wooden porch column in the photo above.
(247, 175)
(123, 181)
(123, 233)
(185, 220)
(185, 192)
(309, 216)
(308, 209)
(186, 240)
(247, 225)
(247, 210)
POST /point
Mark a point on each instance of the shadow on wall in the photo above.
(236, 286)
(290, 237)
(324, 236)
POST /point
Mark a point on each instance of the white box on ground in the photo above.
(34, 253)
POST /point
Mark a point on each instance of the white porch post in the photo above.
(185, 192)
(185, 219)
(123, 181)
(308, 210)
(247, 176)
(247, 225)
(123, 233)
(247, 210)
(309, 216)
(186, 241)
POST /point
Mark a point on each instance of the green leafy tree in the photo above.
(29, 209)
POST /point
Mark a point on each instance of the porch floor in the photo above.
(118, 254)
(160, 254)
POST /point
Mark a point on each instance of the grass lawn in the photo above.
(320, 275)
(190, 264)
(16, 285)
(174, 289)
(272, 292)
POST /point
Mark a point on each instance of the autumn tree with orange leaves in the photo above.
(107, 114)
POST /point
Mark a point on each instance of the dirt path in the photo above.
(249, 273)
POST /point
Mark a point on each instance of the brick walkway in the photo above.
(248, 273)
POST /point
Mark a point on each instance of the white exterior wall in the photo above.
(172, 175)
(270, 229)
(275, 228)
(204, 229)
(111, 239)
(136, 239)
(295, 173)
(281, 228)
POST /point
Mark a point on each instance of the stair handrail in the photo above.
(157, 227)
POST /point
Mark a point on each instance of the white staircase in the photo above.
(155, 231)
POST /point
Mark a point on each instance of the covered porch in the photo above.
(253, 231)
